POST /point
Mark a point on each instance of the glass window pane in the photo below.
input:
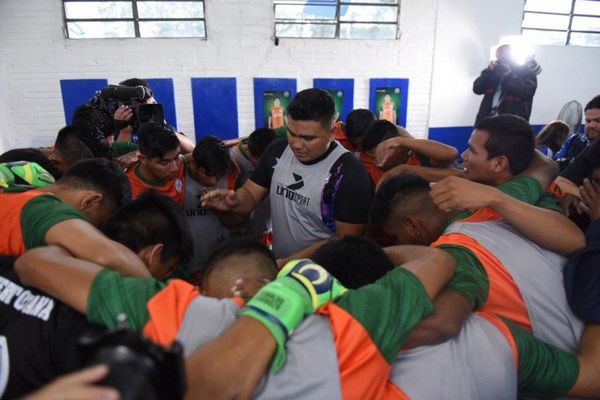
(585, 24)
(170, 9)
(305, 30)
(584, 39)
(368, 31)
(587, 7)
(557, 6)
(370, 1)
(172, 29)
(545, 21)
(92, 30)
(369, 13)
(300, 12)
(97, 9)
(545, 37)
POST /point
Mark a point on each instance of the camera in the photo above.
(139, 368)
(113, 96)
(502, 66)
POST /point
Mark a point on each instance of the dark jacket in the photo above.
(582, 278)
(517, 91)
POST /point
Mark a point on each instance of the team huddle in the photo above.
(344, 260)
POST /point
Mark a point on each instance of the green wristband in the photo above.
(281, 309)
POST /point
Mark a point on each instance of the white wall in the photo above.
(465, 31)
(35, 55)
(440, 51)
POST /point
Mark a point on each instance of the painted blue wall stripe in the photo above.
(76, 92)
(346, 86)
(215, 107)
(165, 95)
(262, 85)
(390, 82)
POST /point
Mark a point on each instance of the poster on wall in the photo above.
(387, 103)
(338, 99)
(275, 104)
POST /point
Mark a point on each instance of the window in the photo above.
(562, 22)
(345, 19)
(134, 18)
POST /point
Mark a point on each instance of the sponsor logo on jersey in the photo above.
(289, 191)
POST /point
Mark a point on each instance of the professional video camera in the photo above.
(139, 368)
(113, 96)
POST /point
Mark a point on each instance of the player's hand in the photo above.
(389, 153)
(77, 386)
(220, 199)
(590, 196)
(247, 288)
(454, 193)
(570, 203)
(123, 113)
(127, 160)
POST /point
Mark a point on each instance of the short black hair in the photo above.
(31, 155)
(94, 118)
(151, 219)
(101, 175)
(357, 122)
(394, 193)
(510, 136)
(155, 140)
(377, 132)
(313, 105)
(593, 103)
(131, 82)
(75, 143)
(259, 140)
(354, 260)
(212, 154)
(245, 248)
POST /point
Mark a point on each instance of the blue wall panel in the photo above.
(76, 92)
(215, 107)
(165, 95)
(346, 86)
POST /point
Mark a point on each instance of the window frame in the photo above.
(135, 19)
(571, 14)
(336, 21)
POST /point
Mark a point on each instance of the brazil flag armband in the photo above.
(300, 288)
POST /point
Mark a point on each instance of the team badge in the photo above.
(178, 185)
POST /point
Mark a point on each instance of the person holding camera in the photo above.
(506, 86)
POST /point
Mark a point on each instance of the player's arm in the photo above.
(341, 229)
(465, 292)
(430, 174)
(433, 267)
(240, 201)
(55, 271)
(451, 311)
(185, 144)
(88, 243)
(547, 228)
(543, 169)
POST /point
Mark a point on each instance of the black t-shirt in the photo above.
(350, 196)
(38, 335)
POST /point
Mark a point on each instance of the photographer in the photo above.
(506, 86)
(132, 103)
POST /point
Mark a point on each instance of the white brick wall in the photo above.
(34, 56)
(440, 51)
